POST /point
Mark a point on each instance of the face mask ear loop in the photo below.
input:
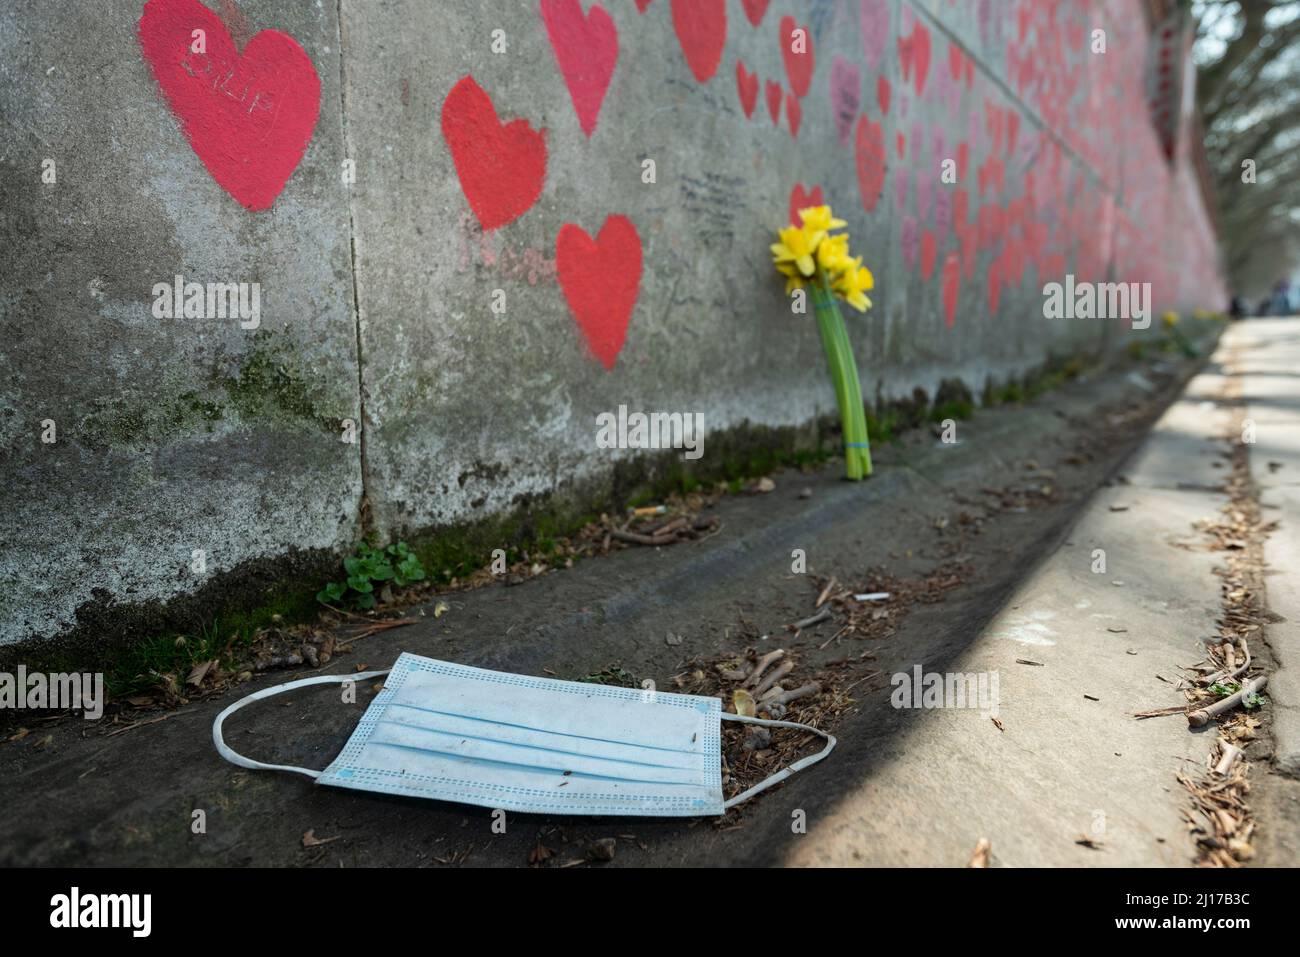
(784, 773)
(234, 758)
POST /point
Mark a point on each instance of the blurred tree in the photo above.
(1248, 88)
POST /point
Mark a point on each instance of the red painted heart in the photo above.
(586, 48)
(754, 10)
(869, 156)
(929, 249)
(501, 166)
(995, 285)
(248, 116)
(773, 92)
(921, 55)
(883, 91)
(601, 279)
(797, 52)
(747, 87)
(951, 285)
(701, 28)
(642, 4)
(801, 198)
(793, 113)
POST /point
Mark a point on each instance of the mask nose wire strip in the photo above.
(784, 773)
(233, 757)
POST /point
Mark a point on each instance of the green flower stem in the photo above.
(844, 376)
(863, 452)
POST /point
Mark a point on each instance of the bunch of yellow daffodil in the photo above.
(813, 255)
(810, 253)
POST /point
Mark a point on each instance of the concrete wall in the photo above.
(378, 289)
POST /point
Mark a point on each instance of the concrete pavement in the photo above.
(1268, 355)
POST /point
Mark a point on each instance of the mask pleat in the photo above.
(544, 761)
(436, 720)
(587, 711)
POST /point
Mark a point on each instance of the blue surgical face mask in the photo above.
(455, 733)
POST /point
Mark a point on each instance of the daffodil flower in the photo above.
(809, 255)
(820, 218)
(833, 254)
(793, 280)
(798, 245)
(853, 283)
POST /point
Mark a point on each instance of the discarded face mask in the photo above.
(455, 733)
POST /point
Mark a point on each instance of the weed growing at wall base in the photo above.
(395, 565)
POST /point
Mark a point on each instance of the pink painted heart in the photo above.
(501, 166)
(754, 10)
(801, 198)
(900, 187)
(601, 279)
(772, 90)
(909, 239)
(846, 85)
(797, 52)
(701, 28)
(747, 88)
(873, 18)
(248, 116)
(586, 49)
(924, 193)
(869, 158)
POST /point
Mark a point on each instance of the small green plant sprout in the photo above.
(1252, 701)
(366, 567)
